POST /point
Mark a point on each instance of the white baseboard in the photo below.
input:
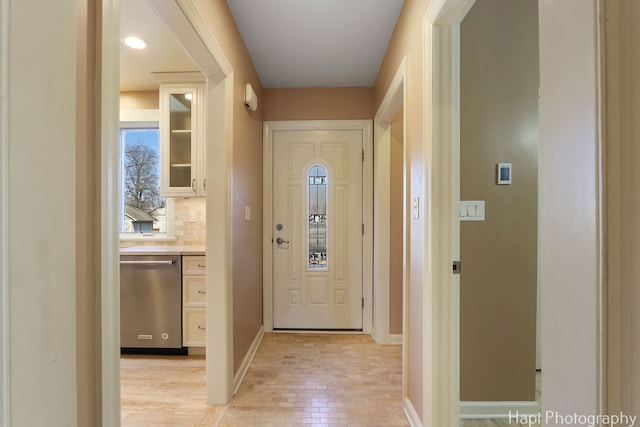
(497, 410)
(395, 339)
(411, 414)
(248, 358)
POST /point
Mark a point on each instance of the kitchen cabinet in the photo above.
(182, 135)
(193, 301)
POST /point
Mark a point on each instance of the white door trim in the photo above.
(182, 18)
(441, 369)
(367, 188)
(109, 48)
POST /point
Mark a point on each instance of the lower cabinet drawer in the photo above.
(194, 327)
(194, 291)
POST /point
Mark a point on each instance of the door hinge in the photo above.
(362, 302)
(457, 267)
(362, 156)
(363, 229)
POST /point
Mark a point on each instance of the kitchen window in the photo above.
(144, 214)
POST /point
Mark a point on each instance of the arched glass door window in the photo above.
(317, 217)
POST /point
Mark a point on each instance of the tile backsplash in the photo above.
(189, 225)
(190, 221)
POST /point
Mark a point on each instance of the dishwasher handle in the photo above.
(170, 262)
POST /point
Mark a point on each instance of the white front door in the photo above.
(317, 229)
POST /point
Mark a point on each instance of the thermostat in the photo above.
(504, 173)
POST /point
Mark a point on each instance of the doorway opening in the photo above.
(187, 27)
(391, 225)
(498, 218)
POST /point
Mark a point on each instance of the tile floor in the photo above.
(294, 380)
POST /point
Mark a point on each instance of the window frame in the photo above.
(142, 119)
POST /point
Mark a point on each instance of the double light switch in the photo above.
(471, 210)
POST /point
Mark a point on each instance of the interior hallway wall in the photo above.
(396, 221)
(622, 100)
(499, 124)
(407, 41)
(246, 180)
(343, 103)
(88, 241)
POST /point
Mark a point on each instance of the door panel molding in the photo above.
(270, 127)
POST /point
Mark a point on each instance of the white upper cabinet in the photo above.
(182, 135)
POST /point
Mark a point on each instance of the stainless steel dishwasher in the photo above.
(151, 304)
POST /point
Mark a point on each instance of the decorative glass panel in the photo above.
(180, 139)
(317, 217)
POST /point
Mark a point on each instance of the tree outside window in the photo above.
(144, 211)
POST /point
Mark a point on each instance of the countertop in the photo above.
(163, 250)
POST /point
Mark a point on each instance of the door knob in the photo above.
(280, 241)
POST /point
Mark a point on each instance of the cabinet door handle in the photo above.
(201, 291)
(204, 183)
(193, 185)
(201, 327)
(202, 265)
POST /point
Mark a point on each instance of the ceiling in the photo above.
(162, 54)
(293, 43)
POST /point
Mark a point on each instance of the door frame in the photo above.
(441, 44)
(393, 102)
(441, 127)
(183, 20)
(269, 128)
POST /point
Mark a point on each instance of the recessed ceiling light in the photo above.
(135, 42)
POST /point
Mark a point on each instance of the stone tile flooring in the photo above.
(294, 380)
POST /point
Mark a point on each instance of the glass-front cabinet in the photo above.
(182, 150)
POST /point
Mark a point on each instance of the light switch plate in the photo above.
(471, 210)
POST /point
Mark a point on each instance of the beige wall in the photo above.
(344, 103)
(499, 123)
(89, 375)
(140, 100)
(407, 41)
(569, 220)
(246, 185)
(396, 260)
(622, 97)
(42, 278)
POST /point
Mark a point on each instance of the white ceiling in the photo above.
(161, 55)
(316, 43)
(293, 43)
